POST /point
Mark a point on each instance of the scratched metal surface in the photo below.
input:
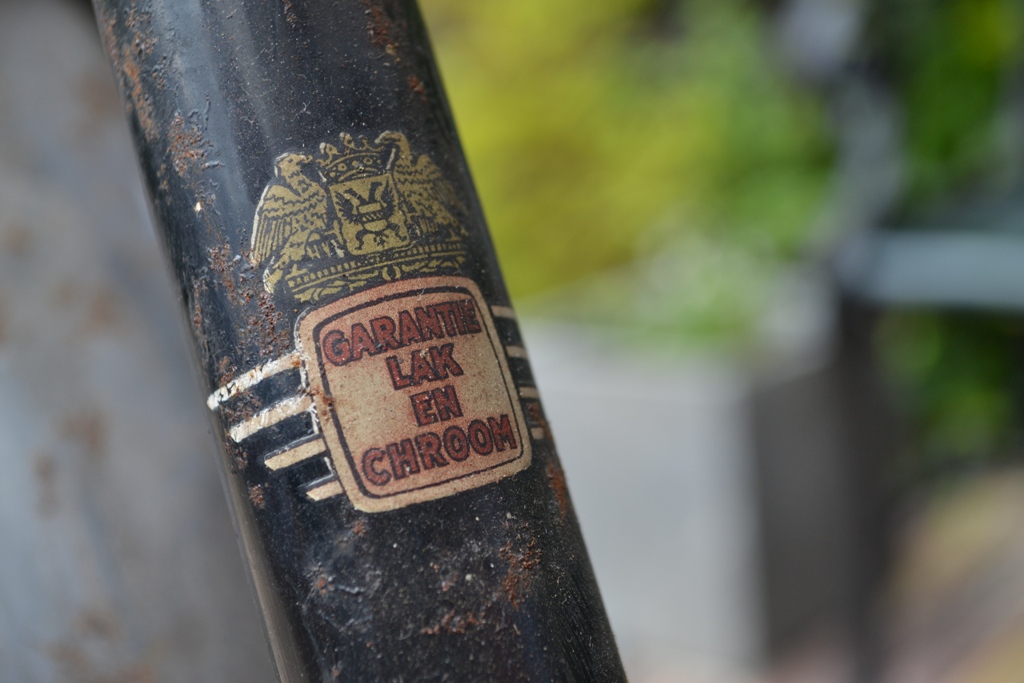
(118, 561)
(491, 583)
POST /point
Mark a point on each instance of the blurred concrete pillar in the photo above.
(117, 556)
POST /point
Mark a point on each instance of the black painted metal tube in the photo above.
(393, 479)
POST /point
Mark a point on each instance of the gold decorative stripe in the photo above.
(371, 266)
(529, 392)
(538, 433)
(252, 378)
(515, 351)
(327, 490)
(270, 417)
(503, 312)
(296, 454)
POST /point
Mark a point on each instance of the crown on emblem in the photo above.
(357, 158)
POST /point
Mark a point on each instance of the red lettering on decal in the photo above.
(384, 333)
(421, 370)
(428, 445)
(480, 437)
(408, 331)
(362, 342)
(403, 459)
(446, 403)
(444, 312)
(448, 319)
(336, 347)
(398, 380)
(468, 312)
(443, 362)
(502, 433)
(456, 444)
(375, 476)
(423, 408)
(429, 324)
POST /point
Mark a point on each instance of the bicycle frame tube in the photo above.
(392, 476)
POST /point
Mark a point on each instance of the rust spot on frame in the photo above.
(129, 60)
(256, 497)
(187, 147)
(416, 85)
(556, 480)
(382, 29)
(264, 328)
(519, 577)
(289, 12)
(226, 371)
(452, 622)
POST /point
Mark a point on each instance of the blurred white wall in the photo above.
(659, 466)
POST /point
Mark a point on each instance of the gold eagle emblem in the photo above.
(355, 213)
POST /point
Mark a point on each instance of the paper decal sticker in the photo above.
(413, 392)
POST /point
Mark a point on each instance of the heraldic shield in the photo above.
(354, 214)
(371, 219)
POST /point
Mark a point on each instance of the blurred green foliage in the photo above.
(622, 136)
(649, 164)
(958, 377)
(952, 65)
